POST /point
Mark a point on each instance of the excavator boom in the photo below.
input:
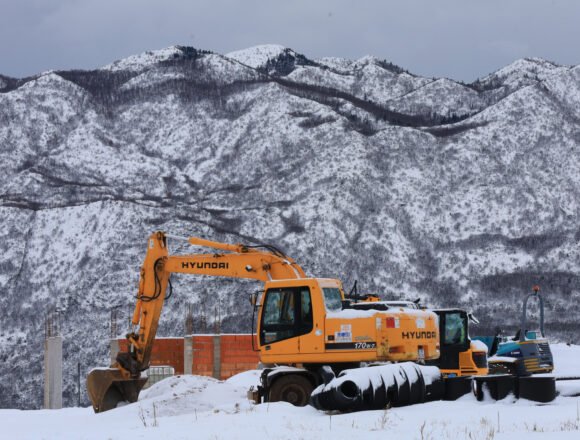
(122, 381)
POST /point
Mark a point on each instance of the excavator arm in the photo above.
(122, 381)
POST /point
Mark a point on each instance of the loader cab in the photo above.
(453, 328)
(458, 355)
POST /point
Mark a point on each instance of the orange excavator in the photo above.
(304, 324)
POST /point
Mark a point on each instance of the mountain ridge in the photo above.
(462, 195)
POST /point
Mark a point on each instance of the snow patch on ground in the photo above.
(200, 407)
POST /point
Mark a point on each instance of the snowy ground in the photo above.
(203, 408)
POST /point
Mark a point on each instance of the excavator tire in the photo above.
(292, 388)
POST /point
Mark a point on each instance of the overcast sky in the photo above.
(460, 39)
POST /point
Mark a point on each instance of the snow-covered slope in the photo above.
(464, 195)
(443, 97)
(522, 72)
(144, 60)
(257, 56)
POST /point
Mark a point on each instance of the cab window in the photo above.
(332, 299)
(287, 313)
(455, 326)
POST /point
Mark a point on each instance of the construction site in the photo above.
(289, 220)
(340, 353)
(311, 338)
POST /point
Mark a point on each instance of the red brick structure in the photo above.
(237, 355)
(220, 356)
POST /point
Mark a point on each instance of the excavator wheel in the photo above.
(291, 388)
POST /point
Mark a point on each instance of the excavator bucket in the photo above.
(107, 387)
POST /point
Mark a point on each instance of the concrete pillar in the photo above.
(114, 350)
(188, 355)
(53, 372)
(217, 356)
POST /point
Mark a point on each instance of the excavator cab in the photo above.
(287, 313)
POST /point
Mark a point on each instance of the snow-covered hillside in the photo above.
(186, 407)
(461, 194)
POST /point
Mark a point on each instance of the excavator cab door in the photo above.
(286, 315)
(313, 340)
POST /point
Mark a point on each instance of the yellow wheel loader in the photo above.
(305, 327)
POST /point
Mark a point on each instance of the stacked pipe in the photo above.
(377, 387)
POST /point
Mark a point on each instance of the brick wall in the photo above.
(233, 353)
(203, 354)
(237, 355)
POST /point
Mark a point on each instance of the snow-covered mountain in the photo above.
(462, 194)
